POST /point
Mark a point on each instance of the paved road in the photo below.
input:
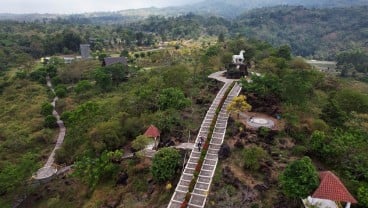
(202, 186)
(48, 170)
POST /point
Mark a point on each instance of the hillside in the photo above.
(288, 111)
(233, 8)
(319, 33)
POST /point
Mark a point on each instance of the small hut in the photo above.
(153, 132)
(331, 190)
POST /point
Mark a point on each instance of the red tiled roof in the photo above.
(332, 188)
(152, 131)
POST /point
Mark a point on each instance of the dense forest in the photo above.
(314, 33)
(318, 33)
(323, 117)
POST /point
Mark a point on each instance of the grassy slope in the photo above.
(21, 125)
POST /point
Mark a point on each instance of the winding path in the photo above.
(48, 170)
(202, 186)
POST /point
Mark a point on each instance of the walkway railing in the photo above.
(203, 183)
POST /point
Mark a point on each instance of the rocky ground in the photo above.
(236, 186)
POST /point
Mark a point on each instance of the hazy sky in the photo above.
(80, 6)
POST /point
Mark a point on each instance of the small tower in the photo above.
(85, 51)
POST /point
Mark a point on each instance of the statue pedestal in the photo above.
(236, 70)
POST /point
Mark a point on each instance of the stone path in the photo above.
(48, 170)
(187, 146)
(202, 186)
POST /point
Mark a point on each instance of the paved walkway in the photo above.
(202, 186)
(187, 146)
(48, 170)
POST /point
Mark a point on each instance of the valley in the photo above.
(267, 98)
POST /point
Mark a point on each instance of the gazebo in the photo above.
(153, 132)
(331, 190)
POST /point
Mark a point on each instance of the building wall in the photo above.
(85, 51)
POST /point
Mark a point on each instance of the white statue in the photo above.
(239, 59)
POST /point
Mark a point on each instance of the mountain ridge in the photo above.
(226, 8)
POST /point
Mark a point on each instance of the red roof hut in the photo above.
(333, 189)
(153, 132)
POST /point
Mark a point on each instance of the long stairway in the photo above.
(202, 186)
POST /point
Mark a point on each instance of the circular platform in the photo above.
(261, 121)
(258, 122)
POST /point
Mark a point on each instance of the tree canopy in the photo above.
(164, 164)
(299, 178)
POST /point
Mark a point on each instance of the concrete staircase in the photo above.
(202, 186)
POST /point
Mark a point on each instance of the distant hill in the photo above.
(233, 8)
(321, 33)
(223, 8)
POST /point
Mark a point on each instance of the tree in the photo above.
(106, 135)
(284, 52)
(299, 178)
(124, 53)
(298, 86)
(299, 63)
(139, 37)
(172, 98)
(92, 170)
(264, 86)
(221, 38)
(350, 100)
(71, 41)
(38, 75)
(164, 164)
(103, 79)
(317, 143)
(239, 104)
(333, 114)
(118, 72)
(141, 142)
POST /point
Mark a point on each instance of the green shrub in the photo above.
(320, 125)
(299, 150)
(164, 164)
(263, 131)
(38, 76)
(253, 156)
(50, 122)
(46, 109)
(56, 81)
(363, 195)
(83, 86)
(21, 74)
(172, 98)
(139, 184)
(141, 142)
(60, 91)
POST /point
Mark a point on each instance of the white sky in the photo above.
(81, 6)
